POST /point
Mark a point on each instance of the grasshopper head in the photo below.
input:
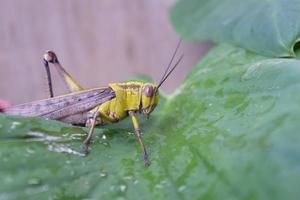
(149, 98)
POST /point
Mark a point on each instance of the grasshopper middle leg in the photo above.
(90, 123)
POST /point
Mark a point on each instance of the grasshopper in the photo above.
(98, 106)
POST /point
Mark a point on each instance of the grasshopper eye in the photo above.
(149, 91)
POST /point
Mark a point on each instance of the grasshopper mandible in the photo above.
(98, 106)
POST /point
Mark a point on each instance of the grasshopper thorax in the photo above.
(149, 98)
(135, 96)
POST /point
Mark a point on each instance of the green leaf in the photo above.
(231, 131)
(268, 27)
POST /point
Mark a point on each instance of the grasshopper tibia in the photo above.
(46, 64)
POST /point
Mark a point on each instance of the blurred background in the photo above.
(96, 41)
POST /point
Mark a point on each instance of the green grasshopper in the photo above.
(98, 106)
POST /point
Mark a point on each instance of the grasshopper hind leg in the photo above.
(50, 57)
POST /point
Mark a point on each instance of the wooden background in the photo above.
(97, 41)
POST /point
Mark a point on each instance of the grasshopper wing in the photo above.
(63, 106)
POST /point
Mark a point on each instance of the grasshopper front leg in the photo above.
(138, 134)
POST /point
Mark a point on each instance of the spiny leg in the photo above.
(137, 131)
(90, 123)
(51, 57)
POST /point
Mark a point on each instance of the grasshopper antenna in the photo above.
(165, 78)
(170, 63)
